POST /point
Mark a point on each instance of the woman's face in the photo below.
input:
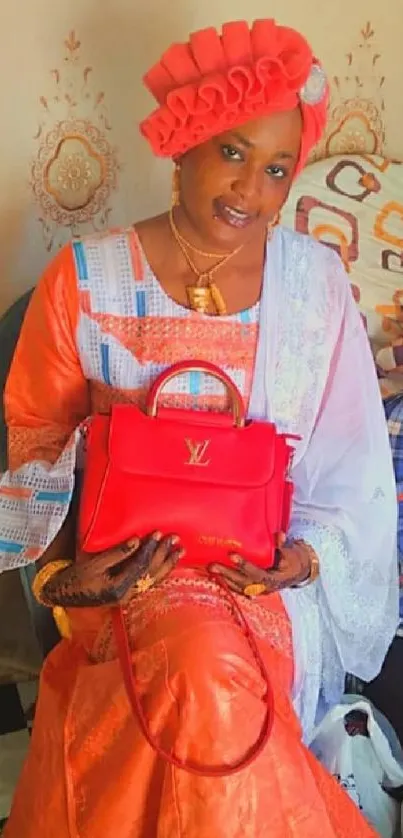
(233, 185)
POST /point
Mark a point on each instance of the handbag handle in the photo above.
(127, 666)
(237, 404)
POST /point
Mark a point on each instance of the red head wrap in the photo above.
(214, 83)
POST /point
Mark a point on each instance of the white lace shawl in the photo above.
(315, 377)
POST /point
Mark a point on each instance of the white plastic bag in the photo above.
(364, 766)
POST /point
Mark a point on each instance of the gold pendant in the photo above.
(218, 299)
(199, 298)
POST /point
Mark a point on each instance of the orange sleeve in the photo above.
(46, 395)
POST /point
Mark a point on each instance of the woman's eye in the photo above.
(276, 171)
(230, 152)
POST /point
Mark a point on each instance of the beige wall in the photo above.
(70, 155)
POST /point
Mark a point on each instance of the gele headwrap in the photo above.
(216, 82)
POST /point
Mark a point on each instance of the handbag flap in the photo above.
(193, 446)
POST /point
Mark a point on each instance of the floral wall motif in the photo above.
(71, 158)
(357, 106)
(75, 168)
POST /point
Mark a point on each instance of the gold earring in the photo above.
(176, 194)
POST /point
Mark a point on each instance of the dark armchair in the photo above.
(10, 326)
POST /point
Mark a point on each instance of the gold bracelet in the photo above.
(44, 575)
(315, 566)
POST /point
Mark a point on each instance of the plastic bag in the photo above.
(360, 749)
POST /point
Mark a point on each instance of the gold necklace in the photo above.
(205, 291)
(190, 246)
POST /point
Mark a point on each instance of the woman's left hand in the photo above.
(293, 567)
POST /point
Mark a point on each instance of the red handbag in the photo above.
(219, 482)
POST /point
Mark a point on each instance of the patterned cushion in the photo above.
(354, 204)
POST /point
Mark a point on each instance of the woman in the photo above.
(217, 279)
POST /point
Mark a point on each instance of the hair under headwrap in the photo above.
(216, 82)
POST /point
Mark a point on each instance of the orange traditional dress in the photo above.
(99, 329)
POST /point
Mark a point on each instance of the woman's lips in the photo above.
(232, 216)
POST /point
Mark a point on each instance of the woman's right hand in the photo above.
(109, 577)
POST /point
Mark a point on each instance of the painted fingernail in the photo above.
(156, 536)
(280, 540)
(236, 559)
(174, 540)
(134, 542)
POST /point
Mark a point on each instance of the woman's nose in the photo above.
(248, 184)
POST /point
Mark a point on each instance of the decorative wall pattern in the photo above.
(357, 107)
(75, 167)
(71, 158)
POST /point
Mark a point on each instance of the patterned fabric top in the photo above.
(155, 332)
(119, 330)
(394, 415)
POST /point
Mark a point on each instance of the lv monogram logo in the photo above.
(197, 452)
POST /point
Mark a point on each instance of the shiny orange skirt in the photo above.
(91, 774)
